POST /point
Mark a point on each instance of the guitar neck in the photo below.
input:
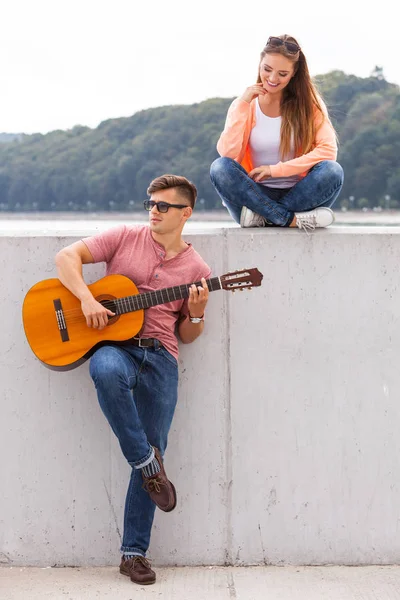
(148, 299)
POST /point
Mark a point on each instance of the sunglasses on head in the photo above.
(291, 47)
(162, 207)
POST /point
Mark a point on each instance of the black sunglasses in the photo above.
(162, 207)
(276, 42)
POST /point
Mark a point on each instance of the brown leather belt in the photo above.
(147, 343)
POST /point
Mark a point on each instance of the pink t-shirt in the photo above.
(130, 250)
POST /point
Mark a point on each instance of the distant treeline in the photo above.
(110, 167)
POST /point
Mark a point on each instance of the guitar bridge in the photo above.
(62, 326)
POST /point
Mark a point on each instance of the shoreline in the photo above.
(104, 216)
(390, 217)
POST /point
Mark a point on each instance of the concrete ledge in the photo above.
(255, 583)
(285, 445)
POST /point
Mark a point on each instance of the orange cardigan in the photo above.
(234, 141)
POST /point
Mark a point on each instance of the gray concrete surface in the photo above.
(285, 445)
(205, 583)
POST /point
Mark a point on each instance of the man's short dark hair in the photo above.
(185, 188)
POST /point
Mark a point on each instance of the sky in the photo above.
(83, 62)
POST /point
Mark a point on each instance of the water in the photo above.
(85, 224)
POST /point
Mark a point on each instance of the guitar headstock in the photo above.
(240, 280)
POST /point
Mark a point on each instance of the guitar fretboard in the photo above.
(143, 301)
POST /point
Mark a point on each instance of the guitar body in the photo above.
(56, 327)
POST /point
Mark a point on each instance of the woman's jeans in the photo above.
(320, 187)
(137, 390)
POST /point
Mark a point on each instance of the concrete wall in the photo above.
(285, 445)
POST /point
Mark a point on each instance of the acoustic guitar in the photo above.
(56, 328)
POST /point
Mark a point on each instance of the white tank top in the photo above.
(264, 142)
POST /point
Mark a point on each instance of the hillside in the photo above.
(109, 167)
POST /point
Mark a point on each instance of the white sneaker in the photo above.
(248, 218)
(319, 217)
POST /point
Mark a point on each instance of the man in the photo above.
(137, 384)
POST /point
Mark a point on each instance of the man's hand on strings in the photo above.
(96, 314)
(198, 297)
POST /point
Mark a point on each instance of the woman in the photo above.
(278, 148)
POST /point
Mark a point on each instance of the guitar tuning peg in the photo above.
(241, 289)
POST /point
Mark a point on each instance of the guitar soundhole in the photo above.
(109, 302)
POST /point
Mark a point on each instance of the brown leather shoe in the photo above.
(160, 489)
(138, 569)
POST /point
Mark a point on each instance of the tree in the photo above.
(110, 167)
(378, 73)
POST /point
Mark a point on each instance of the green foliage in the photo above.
(110, 167)
(362, 203)
(366, 114)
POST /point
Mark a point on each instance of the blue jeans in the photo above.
(320, 187)
(137, 390)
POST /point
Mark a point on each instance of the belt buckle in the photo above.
(139, 340)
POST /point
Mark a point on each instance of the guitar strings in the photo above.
(145, 297)
(75, 315)
(111, 305)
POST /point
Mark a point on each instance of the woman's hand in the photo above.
(252, 92)
(260, 173)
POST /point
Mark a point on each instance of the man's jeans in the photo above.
(320, 187)
(137, 390)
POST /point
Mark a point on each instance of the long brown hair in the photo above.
(300, 100)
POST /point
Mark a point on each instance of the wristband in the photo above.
(196, 319)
